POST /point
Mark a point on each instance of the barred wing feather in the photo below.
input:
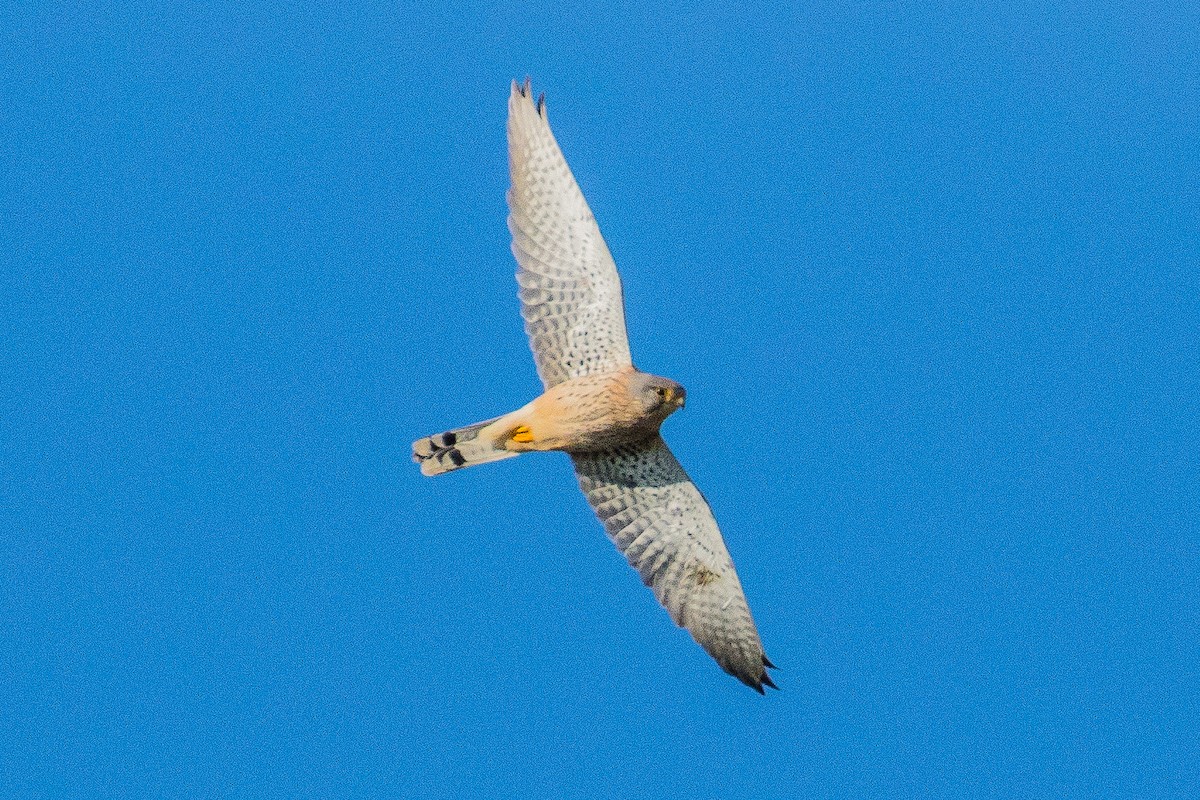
(569, 288)
(658, 519)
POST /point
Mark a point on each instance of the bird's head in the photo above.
(661, 396)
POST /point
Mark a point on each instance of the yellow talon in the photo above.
(522, 434)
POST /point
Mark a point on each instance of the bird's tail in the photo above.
(462, 447)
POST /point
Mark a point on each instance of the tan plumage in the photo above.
(600, 409)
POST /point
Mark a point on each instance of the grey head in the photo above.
(660, 396)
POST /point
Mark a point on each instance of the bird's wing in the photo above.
(658, 519)
(569, 288)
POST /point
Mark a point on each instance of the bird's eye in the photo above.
(661, 391)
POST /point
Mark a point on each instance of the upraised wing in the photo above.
(658, 519)
(569, 288)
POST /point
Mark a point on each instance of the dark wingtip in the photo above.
(758, 689)
(541, 103)
(765, 679)
(524, 90)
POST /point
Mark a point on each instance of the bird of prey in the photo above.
(599, 408)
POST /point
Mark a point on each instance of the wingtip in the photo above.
(758, 683)
(526, 90)
(765, 678)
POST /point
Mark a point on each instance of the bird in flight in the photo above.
(600, 409)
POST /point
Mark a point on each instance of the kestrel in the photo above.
(599, 408)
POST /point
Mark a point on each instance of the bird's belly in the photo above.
(604, 434)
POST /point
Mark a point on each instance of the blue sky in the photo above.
(930, 277)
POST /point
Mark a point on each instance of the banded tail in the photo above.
(462, 447)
